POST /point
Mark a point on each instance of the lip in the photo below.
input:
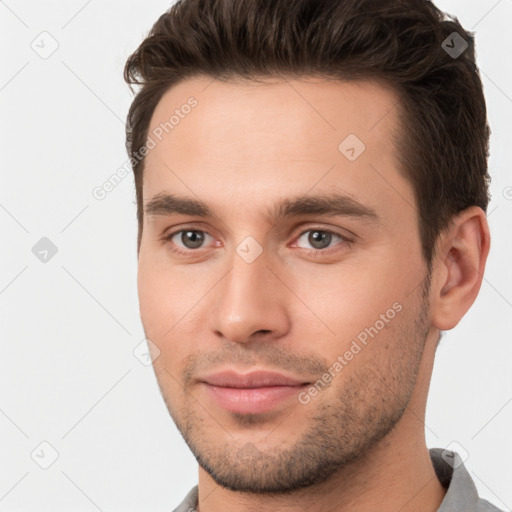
(257, 379)
(251, 393)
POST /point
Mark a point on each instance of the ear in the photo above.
(458, 267)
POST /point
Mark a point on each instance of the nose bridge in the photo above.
(248, 300)
(247, 282)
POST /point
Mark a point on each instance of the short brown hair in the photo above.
(444, 135)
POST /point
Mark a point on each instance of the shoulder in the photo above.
(485, 506)
(189, 503)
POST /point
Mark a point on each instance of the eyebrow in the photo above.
(332, 204)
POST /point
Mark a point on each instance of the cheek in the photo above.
(346, 303)
(167, 300)
(161, 291)
(151, 295)
(160, 304)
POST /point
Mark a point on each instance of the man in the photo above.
(311, 181)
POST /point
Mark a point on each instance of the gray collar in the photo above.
(461, 494)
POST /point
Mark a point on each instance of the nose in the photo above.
(249, 302)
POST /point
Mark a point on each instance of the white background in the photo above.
(68, 375)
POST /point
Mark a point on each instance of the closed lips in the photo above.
(258, 379)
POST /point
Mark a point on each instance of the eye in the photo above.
(187, 241)
(320, 239)
(189, 238)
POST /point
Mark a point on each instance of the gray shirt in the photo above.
(461, 494)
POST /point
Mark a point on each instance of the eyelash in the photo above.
(311, 252)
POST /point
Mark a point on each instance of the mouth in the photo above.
(251, 393)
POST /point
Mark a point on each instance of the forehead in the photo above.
(273, 137)
(303, 109)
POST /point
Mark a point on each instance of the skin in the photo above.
(359, 444)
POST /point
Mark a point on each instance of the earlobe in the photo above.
(461, 257)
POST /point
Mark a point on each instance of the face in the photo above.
(285, 301)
